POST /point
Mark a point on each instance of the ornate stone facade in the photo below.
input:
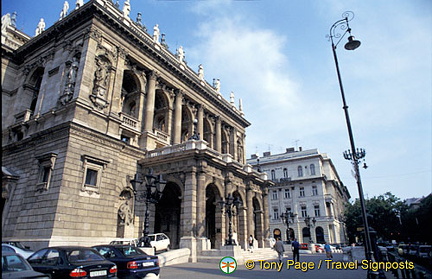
(93, 100)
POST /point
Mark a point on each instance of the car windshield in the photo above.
(129, 251)
(79, 256)
(14, 263)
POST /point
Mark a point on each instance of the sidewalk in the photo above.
(309, 263)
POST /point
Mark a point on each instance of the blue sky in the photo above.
(274, 55)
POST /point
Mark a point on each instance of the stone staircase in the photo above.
(215, 255)
(260, 254)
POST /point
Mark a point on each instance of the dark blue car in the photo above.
(72, 262)
(131, 261)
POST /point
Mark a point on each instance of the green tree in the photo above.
(416, 222)
(383, 216)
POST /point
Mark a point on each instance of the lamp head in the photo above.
(352, 43)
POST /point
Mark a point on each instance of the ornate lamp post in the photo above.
(195, 135)
(355, 154)
(288, 217)
(152, 193)
(231, 207)
(308, 223)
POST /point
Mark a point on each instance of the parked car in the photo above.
(15, 266)
(131, 261)
(72, 262)
(159, 241)
(125, 241)
(319, 249)
(16, 244)
(424, 251)
(10, 248)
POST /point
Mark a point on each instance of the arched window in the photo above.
(300, 171)
(312, 169)
(285, 173)
(273, 175)
(319, 231)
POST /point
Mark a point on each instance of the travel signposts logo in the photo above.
(228, 265)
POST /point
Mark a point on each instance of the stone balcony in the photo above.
(130, 122)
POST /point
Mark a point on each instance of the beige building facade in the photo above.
(94, 100)
(306, 186)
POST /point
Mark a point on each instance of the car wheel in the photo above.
(168, 248)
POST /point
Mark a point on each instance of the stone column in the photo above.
(233, 143)
(201, 204)
(218, 143)
(149, 107)
(188, 216)
(177, 117)
(116, 89)
(141, 97)
(250, 211)
(200, 117)
(266, 214)
(170, 115)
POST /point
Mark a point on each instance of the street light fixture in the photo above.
(231, 206)
(288, 217)
(152, 193)
(195, 135)
(354, 155)
(308, 221)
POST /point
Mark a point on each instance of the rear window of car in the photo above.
(13, 263)
(129, 251)
(79, 256)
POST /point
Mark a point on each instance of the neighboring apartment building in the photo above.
(308, 189)
(94, 100)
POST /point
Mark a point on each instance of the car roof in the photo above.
(9, 253)
(113, 245)
(67, 247)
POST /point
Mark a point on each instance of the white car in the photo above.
(10, 248)
(125, 241)
(159, 241)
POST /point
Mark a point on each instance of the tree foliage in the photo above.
(391, 219)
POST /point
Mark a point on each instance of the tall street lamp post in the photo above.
(152, 193)
(288, 217)
(231, 206)
(310, 222)
(355, 154)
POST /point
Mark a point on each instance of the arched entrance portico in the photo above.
(213, 216)
(258, 221)
(168, 213)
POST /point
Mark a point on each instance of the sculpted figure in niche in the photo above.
(71, 76)
(125, 213)
(101, 74)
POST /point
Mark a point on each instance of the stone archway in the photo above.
(306, 235)
(167, 216)
(213, 217)
(258, 221)
(319, 232)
